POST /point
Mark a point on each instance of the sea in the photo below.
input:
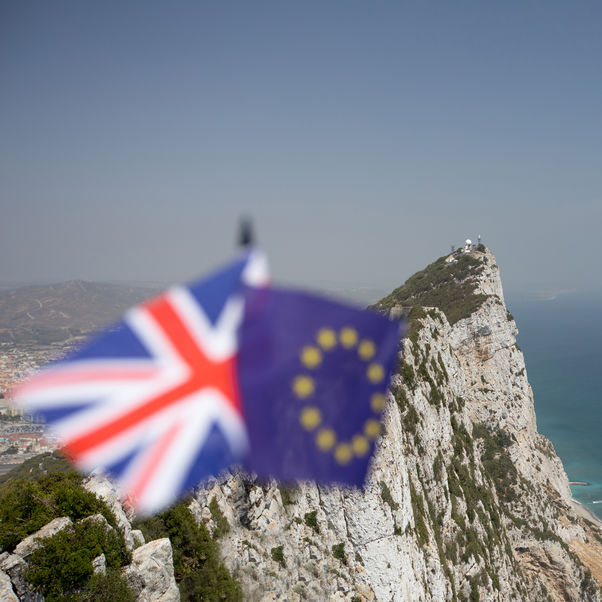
(561, 338)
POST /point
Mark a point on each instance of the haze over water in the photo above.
(562, 343)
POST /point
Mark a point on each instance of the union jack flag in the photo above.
(154, 401)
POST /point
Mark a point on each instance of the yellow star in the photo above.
(348, 337)
(310, 418)
(372, 428)
(325, 439)
(378, 402)
(343, 453)
(366, 350)
(311, 356)
(375, 373)
(303, 386)
(327, 339)
(360, 445)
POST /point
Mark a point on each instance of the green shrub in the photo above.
(338, 551)
(407, 374)
(199, 571)
(385, 493)
(400, 398)
(419, 516)
(109, 586)
(410, 420)
(286, 494)
(27, 505)
(221, 522)
(497, 461)
(475, 595)
(438, 466)
(278, 555)
(62, 566)
(311, 520)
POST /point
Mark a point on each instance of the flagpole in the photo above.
(245, 233)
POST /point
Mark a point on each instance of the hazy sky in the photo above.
(364, 138)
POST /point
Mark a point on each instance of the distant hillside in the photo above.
(56, 312)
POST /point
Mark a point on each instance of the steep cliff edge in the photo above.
(466, 500)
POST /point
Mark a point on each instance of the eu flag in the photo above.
(313, 375)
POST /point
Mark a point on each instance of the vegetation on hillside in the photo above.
(199, 572)
(28, 503)
(61, 568)
(35, 468)
(450, 286)
(46, 487)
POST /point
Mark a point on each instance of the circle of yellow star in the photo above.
(310, 418)
(343, 453)
(327, 339)
(375, 373)
(366, 350)
(303, 386)
(378, 402)
(360, 445)
(372, 428)
(325, 439)
(348, 337)
(311, 356)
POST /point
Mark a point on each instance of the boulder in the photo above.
(14, 566)
(100, 564)
(151, 573)
(7, 593)
(29, 544)
(138, 538)
(103, 488)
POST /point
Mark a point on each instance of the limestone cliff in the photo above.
(466, 500)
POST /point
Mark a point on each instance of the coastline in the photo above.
(584, 512)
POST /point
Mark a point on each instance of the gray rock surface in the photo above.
(29, 544)
(101, 486)
(99, 564)
(138, 538)
(14, 566)
(151, 574)
(7, 594)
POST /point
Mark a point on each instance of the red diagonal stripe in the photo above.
(159, 448)
(175, 330)
(205, 373)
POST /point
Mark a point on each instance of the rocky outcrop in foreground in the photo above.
(149, 575)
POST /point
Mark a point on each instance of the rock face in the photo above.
(104, 489)
(29, 544)
(465, 498)
(151, 573)
(7, 593)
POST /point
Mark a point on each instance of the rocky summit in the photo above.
(465, 499)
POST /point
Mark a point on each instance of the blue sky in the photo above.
(364, 138)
